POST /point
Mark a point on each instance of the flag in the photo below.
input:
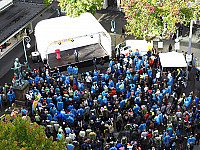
(38, 96)
(35, 102)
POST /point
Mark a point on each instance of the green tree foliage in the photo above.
(21, 135)
(74, 8)
(147, 17)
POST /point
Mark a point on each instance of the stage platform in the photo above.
(86, 55)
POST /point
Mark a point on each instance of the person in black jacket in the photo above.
(170, 47)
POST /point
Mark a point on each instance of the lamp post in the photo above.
(113, 30)
(26, 39)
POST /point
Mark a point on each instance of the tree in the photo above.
(21, 135)
(74, 8)
(156, 17)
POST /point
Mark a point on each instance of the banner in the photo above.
(35, 102)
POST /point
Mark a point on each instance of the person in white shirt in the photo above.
(72, 135)
(88, 80)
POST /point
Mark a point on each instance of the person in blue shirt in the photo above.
(13, 96)
(113, 148)
(80, 86)
(135, 77)
(156, 118)
(102, 84)
(100, 101)
(142, 127)
(103, 77)
(69, 69)
(9, 97)
(48, 79)
(170, 81)
(48, 99)
(159, 99)
(106, 76)
(117, 86)
(170, 130)
(104, 100)
(60, 105)
(160, 117)
(187, 103)
(166, 139)
(111, 84)
(137, 53)
(133, 88)
(49, 117)
(57, 90)
(135, 60)
(70, 146)
(59, 135)
(191, 140)
(67, 130)
(136, 108)
(1, 101)
(94, 79)
(75, 70)
(149, 72)
(128, 95)
(137, 66)
(155, 106)
(111, 62)
(81, 111)
(63, 77)
(143, 59)
(169, 88)
(58, 98)
(30, 80)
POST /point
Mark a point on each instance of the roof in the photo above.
(64, 28)
(16, 16)
(172, 59)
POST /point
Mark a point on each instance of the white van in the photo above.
(131, 45)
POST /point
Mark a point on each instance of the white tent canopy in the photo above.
(172, 59)
(66, 33)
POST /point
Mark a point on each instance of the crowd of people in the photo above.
(132, 105)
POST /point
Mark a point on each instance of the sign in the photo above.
(160, 44)
(188, 58)
(177, 45)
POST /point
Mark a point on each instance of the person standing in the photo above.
(95, 63)
(170, 47)
(123, 32)
(102, 62)
(76, 55)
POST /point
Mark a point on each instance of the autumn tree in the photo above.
(155, 17)
(74, 8)
(21, 135)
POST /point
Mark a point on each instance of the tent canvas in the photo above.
(66, 33)
(172, 59)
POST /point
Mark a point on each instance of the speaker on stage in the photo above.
(35, 57)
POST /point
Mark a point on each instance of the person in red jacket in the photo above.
(186, 117)
(75, 87)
